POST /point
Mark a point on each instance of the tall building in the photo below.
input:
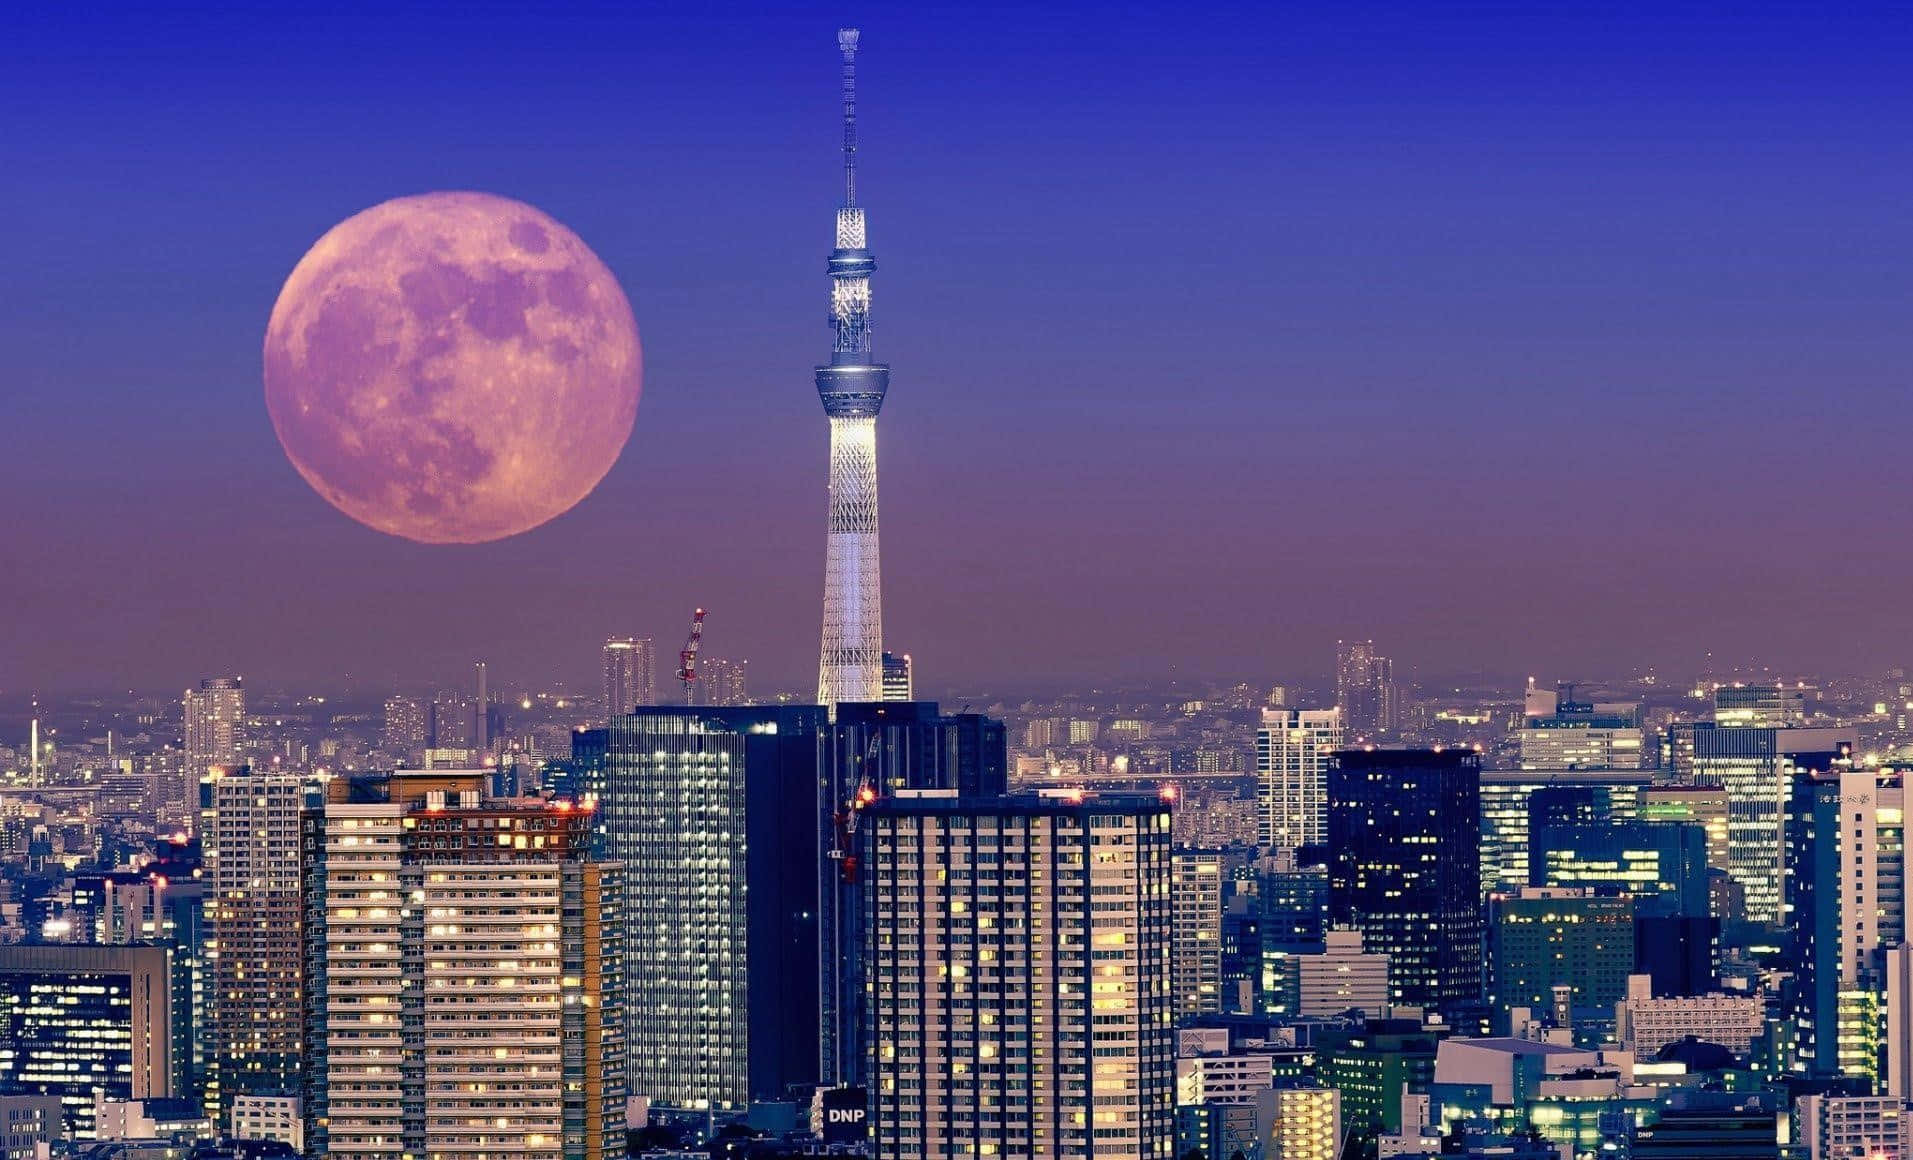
(852, 387)
(254, 911)
(1662, 864)
(1832, 910)
(876, 748)
(711, 813)
(1543, 938)
(898, 684)
(1195, 894)
(1364, 688)
(1011, 1014)
(630, 674)
(1404, 866)
(1769, 706)
(1898, 1027)
(76, 1020)
(466, 987)
(1292, 749)
(722, 683)
(215, 731)
(1509, 797)
(1754, 765)
(406, 726)
(1342, 977)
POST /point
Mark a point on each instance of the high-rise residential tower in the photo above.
(630, 670)
(852, 387)
(1019, 958)
(253, 912)
(1291, 770)
(1364, 688)
(215, 728)
(466, 975)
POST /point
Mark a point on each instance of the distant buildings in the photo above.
(1292, 750)
(898, 682)
(407, 726)
(1364, 689)
(1404, 837)
(630, 674)
(215, 731)
(1020, 966)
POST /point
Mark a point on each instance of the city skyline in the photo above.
(1435, 295)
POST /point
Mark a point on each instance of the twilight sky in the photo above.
(1563, 338)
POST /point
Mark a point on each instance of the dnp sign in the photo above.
(844, 1115)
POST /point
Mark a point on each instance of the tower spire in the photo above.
(847, 44)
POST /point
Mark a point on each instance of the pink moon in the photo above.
(452, 368)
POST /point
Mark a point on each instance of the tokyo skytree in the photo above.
(852, 387)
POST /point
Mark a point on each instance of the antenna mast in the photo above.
(847, 42)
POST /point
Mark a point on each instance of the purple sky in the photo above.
(1526, 338)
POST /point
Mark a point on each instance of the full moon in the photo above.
(452, 368)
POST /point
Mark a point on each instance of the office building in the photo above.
(1372, 1069)
(1679, 953)
(899, 683)
(630, 674)
(1196, 896)
(1292, 750)
(1339, 978)
(712, 813)
(1579, 735)
(466, 976)
(852, 387)
(250, 845)
(1664, 864)
(1364, 689)
(1832, 912)
(81, 1020)
(1754, 765)
(1404, 840)
(1019, 951)
(30, 1126)
(872, 749)
(1542, 938)
(1510, 796)
(1701, 805)
(1760, 706)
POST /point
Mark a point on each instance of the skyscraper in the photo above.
(1832, 907)
(1755, 766)
(852, 387)
(1364, 688)
(406, 726)
(630, 674)
(878, 748)
(711, 811)
(254, 911)
(466, 987)
(215, 732)
(1404, 838)
(1011, 1015)
(1291, 768)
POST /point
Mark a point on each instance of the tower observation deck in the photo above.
(852, 387)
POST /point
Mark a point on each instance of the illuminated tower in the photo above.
(852, 387)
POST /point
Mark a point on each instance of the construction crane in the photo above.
(687, 657)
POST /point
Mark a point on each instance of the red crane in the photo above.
(687, 658)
